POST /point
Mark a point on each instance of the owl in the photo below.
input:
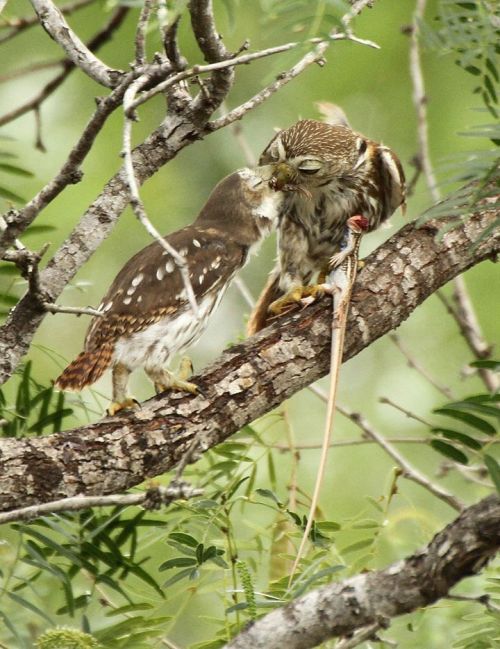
(329, 173)
(146, 317)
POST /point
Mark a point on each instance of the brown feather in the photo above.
(260, 313)
(87, 367)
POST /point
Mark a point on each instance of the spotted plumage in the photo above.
(146, 316)
(329, 173)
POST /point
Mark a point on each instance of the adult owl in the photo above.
(146, 316)
(329, 173)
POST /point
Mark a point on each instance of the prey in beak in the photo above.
(285, 178)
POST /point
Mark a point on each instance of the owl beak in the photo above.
(282, 175)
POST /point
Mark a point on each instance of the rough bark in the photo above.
(338, 609)
(247, 381)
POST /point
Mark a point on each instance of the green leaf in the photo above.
(326, 572)
(39, 229)
(471, 404)
(14, 169)
(488, 365)
(459, 437)
(267, 493)
(494, 470)
(31, 607)
(177, 562)
(183, 574)
(54, 417)
(466, 417)
(449, 451)
(359, 545)
(232, 490)
(130, 608)
(328, 526)
(184, 539)
(11, 196)
(79, 602)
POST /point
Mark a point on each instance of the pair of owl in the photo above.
(311, 178)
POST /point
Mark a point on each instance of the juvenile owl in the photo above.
(146, 316)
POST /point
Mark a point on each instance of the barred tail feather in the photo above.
(260, 314)
(87, 367)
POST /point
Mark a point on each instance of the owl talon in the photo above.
(303, 295)
(127, 404)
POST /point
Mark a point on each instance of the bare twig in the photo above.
(56, 26)
(211, 67)
(244, 290)
(18, 25)
(408, 413)
(135, 200)
(152, 498)
(420, 101)
(140, 34)
(213, 49)
(483, 600)
(74, 310)
(367, 633)
(68, 66)
(315, 56)
(169, 34)
(27, 261)
(409, 471)
(415, 364)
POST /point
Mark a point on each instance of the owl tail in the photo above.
(259, 316)
(87, 367)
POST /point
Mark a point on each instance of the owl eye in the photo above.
(309, 167)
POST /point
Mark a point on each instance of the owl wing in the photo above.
(150, 285)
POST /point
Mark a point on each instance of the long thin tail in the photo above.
(87, 367)
(260, 314)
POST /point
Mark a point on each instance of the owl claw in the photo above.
(127, 404)
(302, 295)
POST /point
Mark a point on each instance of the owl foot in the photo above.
(164, 380)
(127, 404)
(302, 295)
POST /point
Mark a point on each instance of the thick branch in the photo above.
(58, 29)
(460, 550)
(247, 381)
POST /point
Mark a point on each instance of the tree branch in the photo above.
(247, 381)
(214, 50)
(371, 599)
(18, 25)
(58, 29)
(102, 36)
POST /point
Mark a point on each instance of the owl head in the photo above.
(311, 153)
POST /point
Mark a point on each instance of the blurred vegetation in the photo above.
(194, 574)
